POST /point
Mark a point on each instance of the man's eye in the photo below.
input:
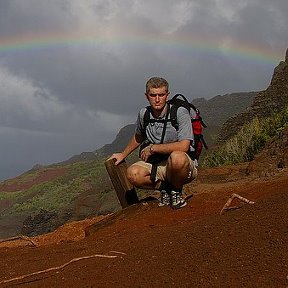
(160, 95)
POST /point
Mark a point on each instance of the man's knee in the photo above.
(135, 175)
(178, 159)
(180, 170)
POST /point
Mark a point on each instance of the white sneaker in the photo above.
(164, 198)
(177, 201)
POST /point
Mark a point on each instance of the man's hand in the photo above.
(146, 153)
(119, 157)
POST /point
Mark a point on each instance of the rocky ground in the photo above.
(145, 245)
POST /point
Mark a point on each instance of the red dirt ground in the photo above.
(160, 247)
(25, 181)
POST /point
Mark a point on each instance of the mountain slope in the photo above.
(218, 109)
(272, 100)
(118, 144)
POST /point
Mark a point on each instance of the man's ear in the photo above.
(146, 94)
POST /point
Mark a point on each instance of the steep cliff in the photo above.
(273, 99)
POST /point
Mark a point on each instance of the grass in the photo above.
(249, 141)
(59, 193)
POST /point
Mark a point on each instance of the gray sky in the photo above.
(72, 73)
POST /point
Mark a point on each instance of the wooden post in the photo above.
(125, 191)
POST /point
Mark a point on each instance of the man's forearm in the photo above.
(134, 143)
(168, 148)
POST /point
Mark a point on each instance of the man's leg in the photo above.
(171, 176)
(138, 175)
(180, 169)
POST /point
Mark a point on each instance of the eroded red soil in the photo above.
(160, 247)
(26, 181)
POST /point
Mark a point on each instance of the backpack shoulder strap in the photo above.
(175, 103)
(146, 117)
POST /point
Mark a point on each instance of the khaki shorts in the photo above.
(161, 169)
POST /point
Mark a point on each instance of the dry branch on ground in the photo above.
(227, 207)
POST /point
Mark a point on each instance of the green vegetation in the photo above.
(60, 192)
(249, 140)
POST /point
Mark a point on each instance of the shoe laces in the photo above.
(164, 196)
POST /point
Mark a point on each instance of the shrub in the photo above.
(249, 141)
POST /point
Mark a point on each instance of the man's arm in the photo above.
(168, 148)
(134, 143)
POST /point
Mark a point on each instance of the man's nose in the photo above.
(157, 98)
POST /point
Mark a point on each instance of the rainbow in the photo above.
(189, 43)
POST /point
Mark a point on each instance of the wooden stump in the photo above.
(125, 191)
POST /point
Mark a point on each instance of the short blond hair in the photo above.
(157, 82)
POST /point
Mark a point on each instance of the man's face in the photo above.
(157, 98)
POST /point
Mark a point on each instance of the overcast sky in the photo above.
(72, 72)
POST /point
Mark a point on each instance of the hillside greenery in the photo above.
(250, 140)
(58, 193)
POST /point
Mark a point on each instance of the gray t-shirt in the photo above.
(154, 130)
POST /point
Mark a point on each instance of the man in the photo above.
(174, 168)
